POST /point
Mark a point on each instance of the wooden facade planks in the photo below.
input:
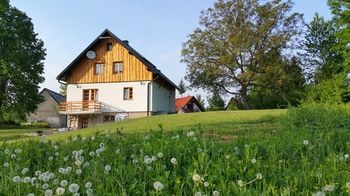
(133, 68)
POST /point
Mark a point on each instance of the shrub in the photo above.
(319, 116)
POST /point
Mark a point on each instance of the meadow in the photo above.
(303, 151)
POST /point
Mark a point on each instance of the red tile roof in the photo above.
(181, 102)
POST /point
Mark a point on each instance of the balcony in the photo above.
(80, 107)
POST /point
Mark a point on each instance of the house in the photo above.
(111, 80)
(188, 104)
(47, 110)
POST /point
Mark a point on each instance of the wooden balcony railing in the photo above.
(80, 106)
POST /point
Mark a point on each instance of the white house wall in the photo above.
(163, 99)
(111, 95)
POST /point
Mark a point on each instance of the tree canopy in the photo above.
(21, 64)
(228, 51)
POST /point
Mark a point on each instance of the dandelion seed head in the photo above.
(346, 156)
(259, 176)
(198, 194)
(160, 154)
(64, 183)
(147, 160)
(16, 179)
(328, 188)
(45, 186)
(306, 142)
(253, 161)
(60, 191)
(48, 192)
(88, 185)
(206, 184)
(173, 161)
(6, 164)
(216, 193)
(26, 179)
(158, 186)
(196, 178)
(108, 168)
(240, 183)
(73, 188)
(78, 171)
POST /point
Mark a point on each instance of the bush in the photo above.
(319, 116)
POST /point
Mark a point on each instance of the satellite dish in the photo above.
(90, 54)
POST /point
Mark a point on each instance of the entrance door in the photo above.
(83, 122)
(88, 95)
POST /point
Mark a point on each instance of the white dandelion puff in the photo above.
(73, 188)
(173, 161)
(48, 192)
(160, 154)
(64, 183)
(206, 184)
(60, 191)
(196, 178)
(216, 193)
(259, 176)
(88, 185)
(253, 161)
(158, 186)
(240, 183)
(306, 142)
(108, 168)
(16, 179)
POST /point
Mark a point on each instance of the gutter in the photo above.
(148, 99)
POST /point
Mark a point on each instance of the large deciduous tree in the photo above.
(21, 66)
(322, 60)
(227, 51)
(341, 16)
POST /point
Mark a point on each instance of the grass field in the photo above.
(262, 152)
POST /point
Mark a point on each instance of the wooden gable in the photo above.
(133, 69)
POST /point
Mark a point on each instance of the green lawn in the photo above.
(217, 125)
(12, 134)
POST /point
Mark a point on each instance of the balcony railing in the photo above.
(83, 107)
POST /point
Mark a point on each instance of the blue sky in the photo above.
(155, 28)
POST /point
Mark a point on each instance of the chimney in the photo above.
(126, 41)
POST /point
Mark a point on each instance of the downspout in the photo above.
(148, 99)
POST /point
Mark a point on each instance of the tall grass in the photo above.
(304, 157)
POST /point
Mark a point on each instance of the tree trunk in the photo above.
(244, 98)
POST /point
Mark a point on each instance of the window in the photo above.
(109, 46)
(128, 93)
(99, 68)
(118, 67)
(108, 118)
(90, 95)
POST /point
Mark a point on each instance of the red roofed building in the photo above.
(188, 104)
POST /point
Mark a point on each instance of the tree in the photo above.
(321, 59)
(341, 15)
(182, 87)
(63, 89)
(216, 102)
(21, 66)
(284, 85)
(200, 100)
(227, 50)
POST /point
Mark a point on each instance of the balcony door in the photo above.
(89, 95)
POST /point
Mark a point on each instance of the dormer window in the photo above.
(109, 46)
(118, 67)
(99, 68)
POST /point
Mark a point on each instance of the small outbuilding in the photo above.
(188, 104)
(47, 110)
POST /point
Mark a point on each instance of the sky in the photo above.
(155, 28)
